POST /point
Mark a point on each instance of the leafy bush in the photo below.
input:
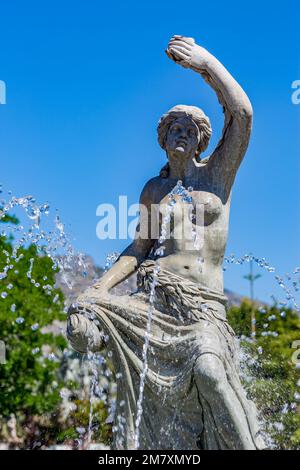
(33, 410)
(270, 376)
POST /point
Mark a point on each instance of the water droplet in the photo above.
(285, 408)
(160, 251)
(52, 357)
(80, 430)
(59, 225)
(279, 426)
(64, 393)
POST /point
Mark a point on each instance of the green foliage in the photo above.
(271, 366)
(26, 377)
(32, 378)
(6, 218)
(102, 432)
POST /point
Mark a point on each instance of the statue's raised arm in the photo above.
(226, 158)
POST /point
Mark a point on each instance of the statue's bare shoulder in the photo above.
(152, 191)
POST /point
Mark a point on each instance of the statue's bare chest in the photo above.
(203, 206)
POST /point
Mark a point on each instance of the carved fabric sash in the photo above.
(185, 299)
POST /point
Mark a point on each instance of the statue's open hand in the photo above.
(184, 51)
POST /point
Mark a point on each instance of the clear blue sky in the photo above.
(88, 81)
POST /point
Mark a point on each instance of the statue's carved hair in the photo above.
(197, 116)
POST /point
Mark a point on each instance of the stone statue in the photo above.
(193, 397)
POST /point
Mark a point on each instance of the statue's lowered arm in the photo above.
(83, 333)
(136, 252)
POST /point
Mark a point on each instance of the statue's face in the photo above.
(183, 137)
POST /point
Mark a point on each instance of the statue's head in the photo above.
(184, 130)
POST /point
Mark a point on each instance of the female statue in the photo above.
(193, 397)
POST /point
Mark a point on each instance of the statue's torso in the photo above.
(196, 245)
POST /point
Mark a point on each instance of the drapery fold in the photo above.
(187, 320)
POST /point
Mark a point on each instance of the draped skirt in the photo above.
(187, 321)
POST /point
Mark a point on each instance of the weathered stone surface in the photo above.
(193, 396)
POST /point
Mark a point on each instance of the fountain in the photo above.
(163, 359)
(93, 375)
(175, 353)
(33, 254)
